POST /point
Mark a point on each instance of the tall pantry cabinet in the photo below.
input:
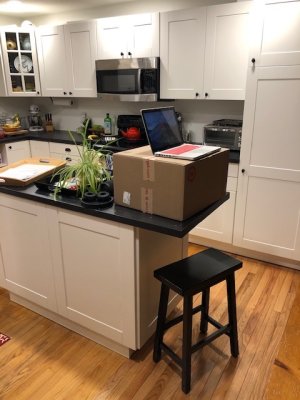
(268, 198)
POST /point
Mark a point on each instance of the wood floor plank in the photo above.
(45, 361)
(284, 382)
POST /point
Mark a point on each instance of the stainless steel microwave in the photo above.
(128, 79)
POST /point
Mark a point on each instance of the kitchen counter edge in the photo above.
(116, 213)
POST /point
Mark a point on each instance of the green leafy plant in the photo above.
(89, 172)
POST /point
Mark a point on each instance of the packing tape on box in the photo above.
(148, 170)
(147, 200)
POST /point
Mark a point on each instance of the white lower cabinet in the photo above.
(94, 267)
(66, 152)
(15, 151)
(219, 225)
(26, 256)
(95, 275)
(39, 149)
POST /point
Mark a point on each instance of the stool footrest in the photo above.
(171, 354)
(208, 339)
(178, 319)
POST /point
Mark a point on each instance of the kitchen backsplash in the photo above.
(196, 114)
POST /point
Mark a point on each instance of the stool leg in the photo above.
(204, 313)
(161, 318)
(187, 343)
(231, 298)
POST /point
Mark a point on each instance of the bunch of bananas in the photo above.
(13, 124)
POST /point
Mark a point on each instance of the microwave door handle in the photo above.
(139, 79)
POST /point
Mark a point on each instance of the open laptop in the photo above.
(165, 138)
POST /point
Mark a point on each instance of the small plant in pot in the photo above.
(85, 176)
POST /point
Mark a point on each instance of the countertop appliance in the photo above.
(120, 142)
(225, 133)
(34, 119)
(128, 79)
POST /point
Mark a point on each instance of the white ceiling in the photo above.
(34, 8)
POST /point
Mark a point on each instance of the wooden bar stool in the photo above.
(187, 277)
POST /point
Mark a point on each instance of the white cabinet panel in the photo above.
(26, 255)
(15, 151)
(204, 52)
(268, 202)
(80, 41)
(128, 36)
(39, 149)
(97, 278)
(182, 46)
(272, 215)
(226, 52)
(278, 39)
(52, 61)
(67, 56)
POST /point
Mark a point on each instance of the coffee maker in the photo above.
(34, 119)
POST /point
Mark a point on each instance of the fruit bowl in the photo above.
(10, 128)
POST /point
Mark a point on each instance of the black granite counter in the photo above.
(115, 213)
(56, 136)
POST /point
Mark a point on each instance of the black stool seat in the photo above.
(187, 277)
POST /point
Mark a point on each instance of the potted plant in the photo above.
(88, 173)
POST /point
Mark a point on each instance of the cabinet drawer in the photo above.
(63, 148)
(69, 158)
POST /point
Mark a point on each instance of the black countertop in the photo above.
(116, 213)
(64, 137)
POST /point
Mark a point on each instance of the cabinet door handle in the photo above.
(65, 93)
(206, 94)
(9, 147)
(68, 159)
(70, 93)
(243, 170)
(122, 54)
(67, 149)
(253, 60)
(130, 54)
(37, 92)
(197, 94)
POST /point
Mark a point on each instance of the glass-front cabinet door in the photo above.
(20, 62)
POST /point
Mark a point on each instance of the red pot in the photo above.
(132, 133)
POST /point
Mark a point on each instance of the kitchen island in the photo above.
(90, 270)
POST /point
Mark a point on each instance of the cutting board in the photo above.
(25, 172)
(18, 132)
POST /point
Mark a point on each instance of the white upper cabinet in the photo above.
(67, 56)
(204, 52)
(276, 33)
(182, 48)
(128, 36)
(226, 51)
(19, 63)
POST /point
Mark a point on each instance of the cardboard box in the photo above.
(168, 187)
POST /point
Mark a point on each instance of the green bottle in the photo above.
(107, 125)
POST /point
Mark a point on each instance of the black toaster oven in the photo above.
(224, 133)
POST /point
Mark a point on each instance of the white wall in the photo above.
(196, 113)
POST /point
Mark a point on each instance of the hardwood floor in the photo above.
(45, 361)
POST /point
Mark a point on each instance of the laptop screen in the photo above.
(162, 128)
